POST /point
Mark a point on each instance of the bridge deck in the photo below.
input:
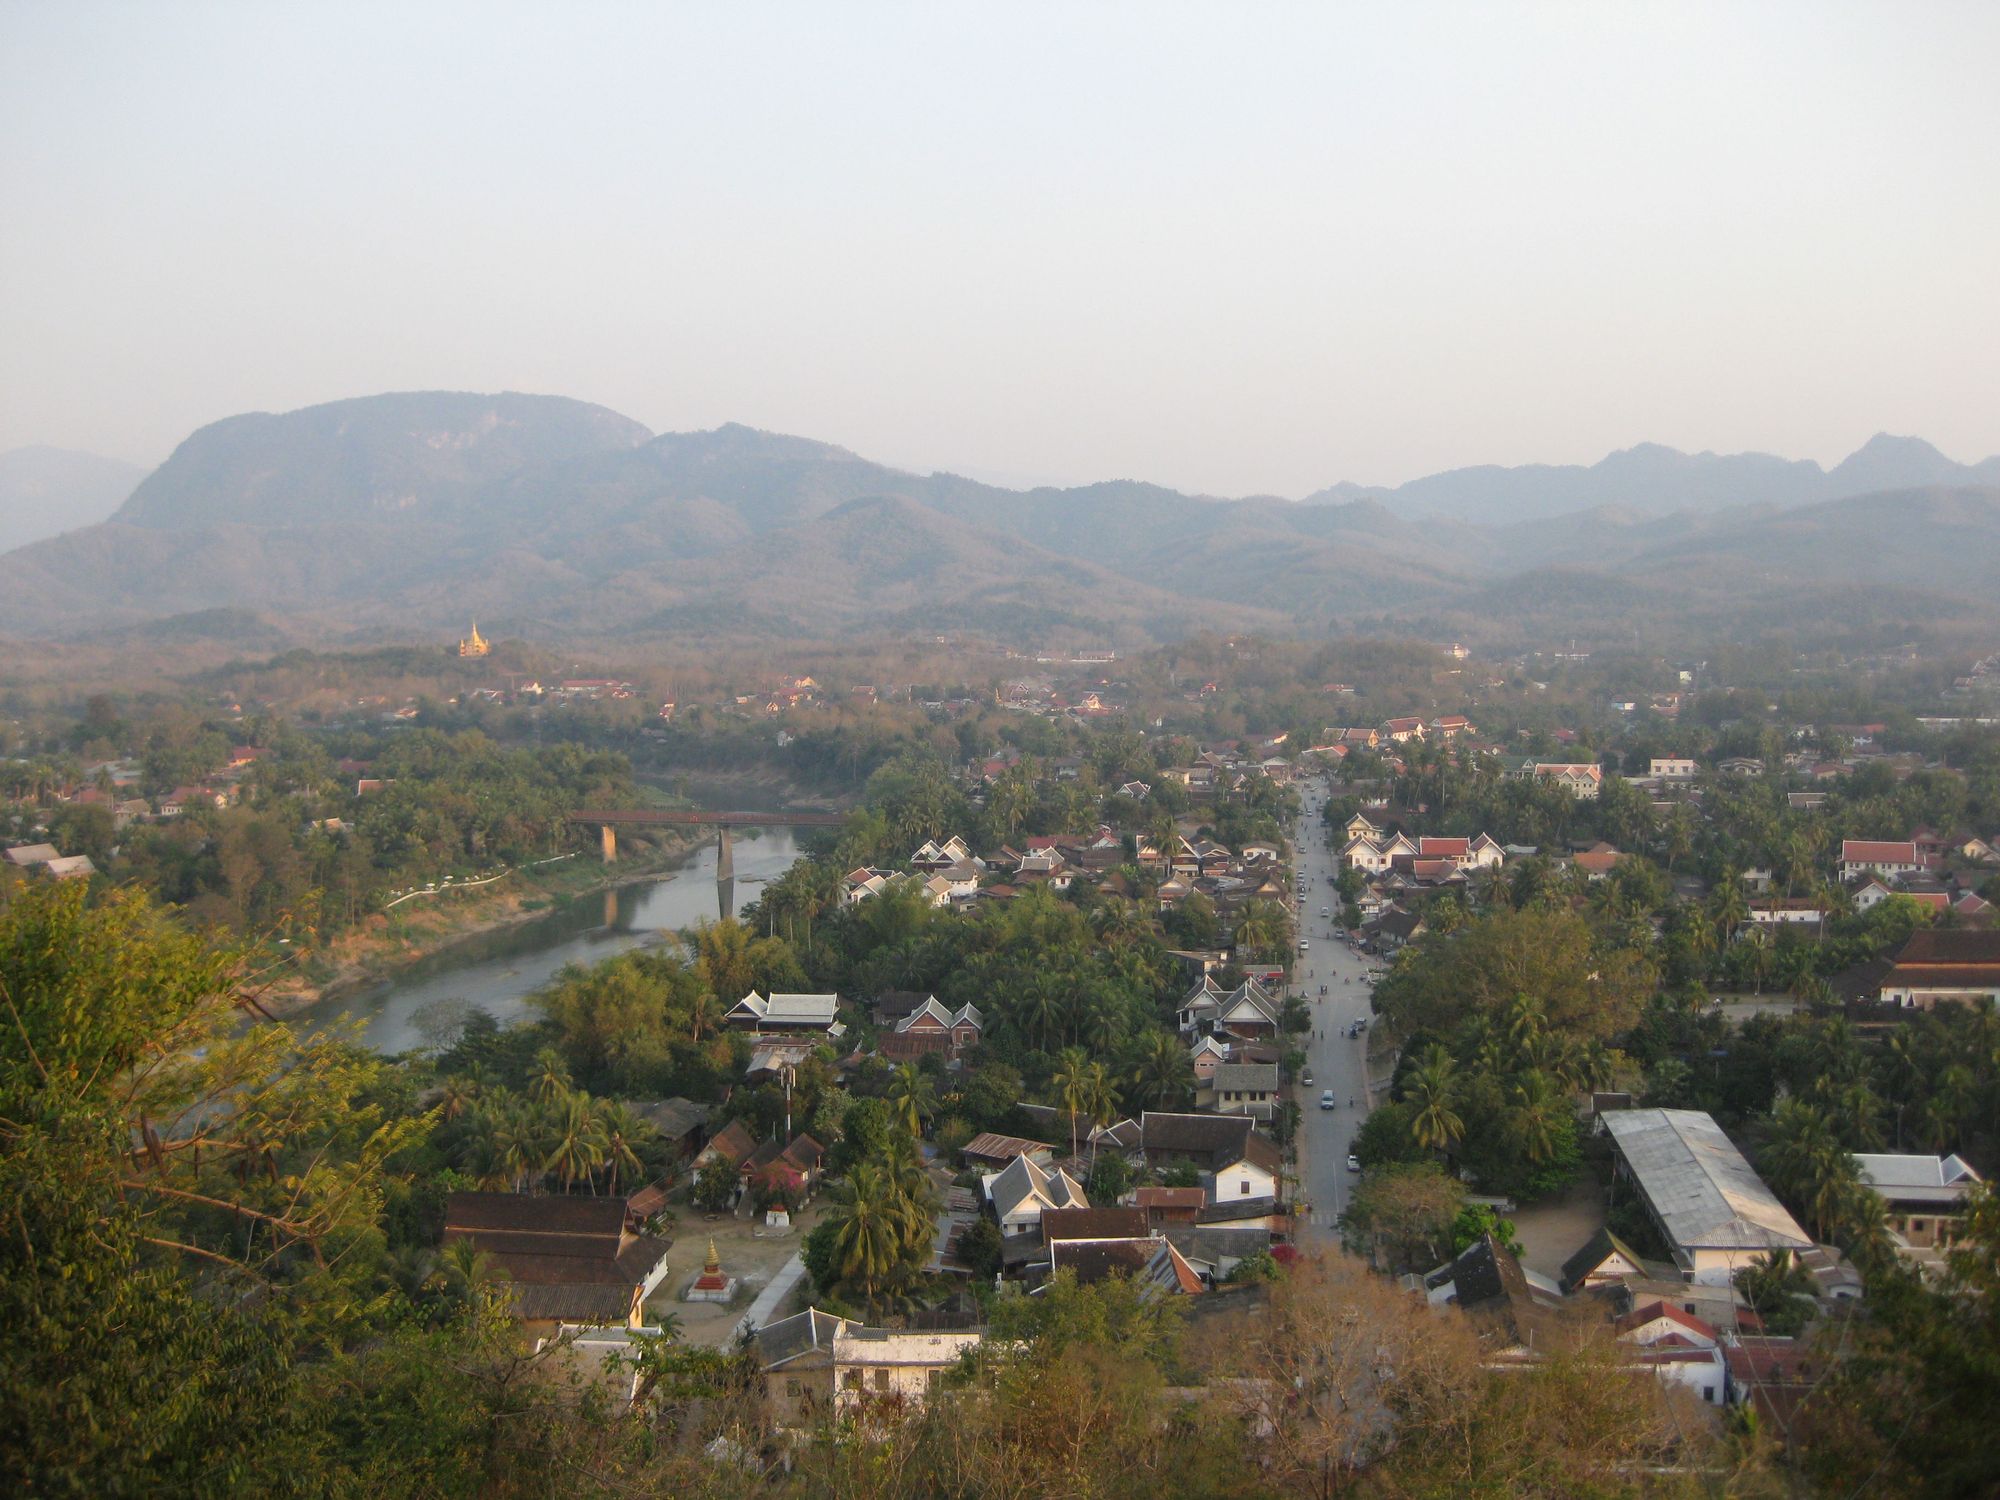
(657, 818)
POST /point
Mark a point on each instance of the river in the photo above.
(497, 971)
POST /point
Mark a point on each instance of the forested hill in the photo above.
(389, 515)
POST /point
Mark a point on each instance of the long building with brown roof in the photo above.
(564, 1259)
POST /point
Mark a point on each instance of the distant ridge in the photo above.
(47, 491)
(405, 514)
(1655, 479)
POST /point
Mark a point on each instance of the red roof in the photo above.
(1648, 1312)
(1170, 1197)
(1877, 851)
(1444, 848)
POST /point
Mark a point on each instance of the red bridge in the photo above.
(608, 821)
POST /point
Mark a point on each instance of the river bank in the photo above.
(389, 944)
(500, 970)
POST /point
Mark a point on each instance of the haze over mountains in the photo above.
(399, 514)
(45, 491)
(1656, 479)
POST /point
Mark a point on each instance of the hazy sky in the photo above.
(1233, 248)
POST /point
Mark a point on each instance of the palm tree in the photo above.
(1807, 1164)
(464, 1268)
(868, 1235)
(1100, 1101)
(1041, 1008)
(704, 1014)
(455, 1096)
(1774, 1282)
(548, 1079)
(1164, 1075)
(1538, 1108)
(1434, 1124)
(1072, 1082)
(1262, 929)
(623, 1131)
(912, 1098)
(1727, 907)
(579, 1146)
(1524, 1023)
(912, 1198)
(517, 1146)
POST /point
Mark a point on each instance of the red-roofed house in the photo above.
(1877, 857)
(1678, 1348)
(1400, 730)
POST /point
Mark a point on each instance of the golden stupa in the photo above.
(474, 644)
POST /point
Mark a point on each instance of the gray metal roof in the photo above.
(1245, 1077)
(1936, 1180)
(1700, 1187)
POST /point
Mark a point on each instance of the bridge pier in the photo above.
(725, 855)
(608, 841)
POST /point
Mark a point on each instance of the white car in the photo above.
(1353, 1162)
(1326, 1099)
(1326, 911)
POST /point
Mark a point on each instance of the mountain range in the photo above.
(47, 491)
(541, 516)
(1655, 479)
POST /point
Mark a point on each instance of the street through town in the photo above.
(1334, 1061)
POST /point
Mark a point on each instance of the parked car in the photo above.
(1353, 1162)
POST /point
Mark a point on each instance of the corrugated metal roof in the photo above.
(1704, 1192)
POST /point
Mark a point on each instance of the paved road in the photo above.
(1334, 1060)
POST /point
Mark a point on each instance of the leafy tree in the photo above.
(714, 1187)
(1402, 1214)
(1780, 1290)
(979, 1246)
(1110, 1180)
(1477, 1219)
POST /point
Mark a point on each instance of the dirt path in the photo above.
(1552, 1231)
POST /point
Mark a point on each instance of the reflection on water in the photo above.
(497, 971)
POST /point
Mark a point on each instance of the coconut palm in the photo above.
(1728, 909)
(624, 1132)
(456, 1095)
(1164, 1074)
(1073, 1083)
(464, 1268)
(911, 1097)
(869, 1231)
(1434, 1124)
(1538, 1108)
(1806, 1164)
(516, 1147)
(578, 1149)
(1262, 928)
(1040, 1009)
(548, 1077)
(704, 1014)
